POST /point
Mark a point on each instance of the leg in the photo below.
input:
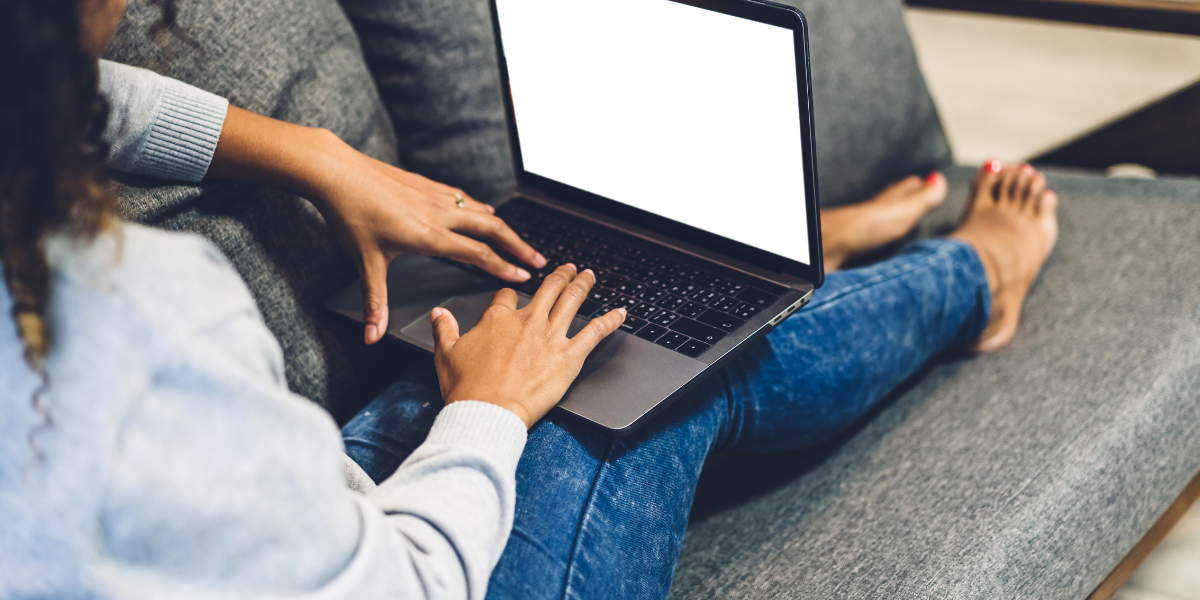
(604, 518)
(384, 433)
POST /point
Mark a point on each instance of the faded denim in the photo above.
(604, 518)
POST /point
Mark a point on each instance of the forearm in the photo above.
(452, 501)
(266, 151)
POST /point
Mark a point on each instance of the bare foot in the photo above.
(847, 231)
(1010, 221)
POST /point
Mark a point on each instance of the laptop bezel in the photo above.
(763, 12)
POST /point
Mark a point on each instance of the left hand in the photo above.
(375, 210)
(378, 212)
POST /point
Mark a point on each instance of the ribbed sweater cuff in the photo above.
(486, 426)
(184, 135)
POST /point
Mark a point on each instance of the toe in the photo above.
(935, 188)
(983, 188)
(1009, 179)
(1048, 202)
(989, 167)
(904, 187)
(1033, 195)
(1022, 187)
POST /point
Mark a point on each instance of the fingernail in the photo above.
(993, 166)
(540, 260)
(573, 267)
(624, 313)
(522, 274)
(590, 272)
(372, 332)
(435, 313)
(932, 178)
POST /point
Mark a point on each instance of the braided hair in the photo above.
(52, 154)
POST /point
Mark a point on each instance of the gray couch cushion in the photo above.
(875, 119)
(435, 64)
(295, 60)
(1028, 473)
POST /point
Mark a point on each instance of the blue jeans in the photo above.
(598, 517)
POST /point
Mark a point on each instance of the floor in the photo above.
(1172, 572)
(1015, 88)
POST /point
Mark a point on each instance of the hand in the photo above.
(378, 212)
(521, 359)
(375, 210)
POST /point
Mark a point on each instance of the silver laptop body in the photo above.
(667, 145)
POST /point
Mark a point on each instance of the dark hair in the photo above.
(52, 155)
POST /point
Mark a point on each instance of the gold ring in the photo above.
(459, 200)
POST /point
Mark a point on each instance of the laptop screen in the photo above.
(686, 113)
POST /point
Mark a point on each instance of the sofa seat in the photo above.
(1028, 473)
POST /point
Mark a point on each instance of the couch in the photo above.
(1030, 472)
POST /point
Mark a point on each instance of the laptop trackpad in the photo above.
(468, 309)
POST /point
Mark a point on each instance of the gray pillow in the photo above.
(875, 119)
(435, 64)
(295, 60)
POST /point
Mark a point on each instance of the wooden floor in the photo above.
(1014, 88)
(1165, 564)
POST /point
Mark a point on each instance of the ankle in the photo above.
(986, 260)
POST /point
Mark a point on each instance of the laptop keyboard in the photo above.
(672, 304)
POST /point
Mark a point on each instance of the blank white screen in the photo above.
(683, 112)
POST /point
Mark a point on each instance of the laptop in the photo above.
(668, 146)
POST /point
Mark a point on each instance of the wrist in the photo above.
(257, 149)
(318, 164)
(514, 407)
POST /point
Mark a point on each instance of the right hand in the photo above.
(522, 359)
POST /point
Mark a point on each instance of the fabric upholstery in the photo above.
(435, 65)
(1028, 473)
(295, 60)
(875, 120)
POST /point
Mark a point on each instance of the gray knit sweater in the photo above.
(167, 459)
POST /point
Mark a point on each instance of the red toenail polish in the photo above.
(932, 178)
(993, 166)
(1027, 168)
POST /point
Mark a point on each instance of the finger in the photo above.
(552, 287)
(571, 298)
(467, 250)
(601, 327)
(494, 228)
(506, 298)
(374, 293)
(445, 329)
(452, 194)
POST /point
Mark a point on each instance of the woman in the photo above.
(149, 448)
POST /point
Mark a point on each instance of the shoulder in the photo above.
(177, 287)
(177, 283)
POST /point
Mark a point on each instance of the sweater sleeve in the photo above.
(225, 484)
(157, 126)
